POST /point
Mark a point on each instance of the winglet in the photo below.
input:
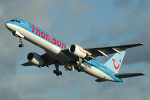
(141, 43)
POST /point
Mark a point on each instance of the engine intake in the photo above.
(35, 59)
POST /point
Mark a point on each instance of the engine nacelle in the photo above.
(35, 59)
(79, 51)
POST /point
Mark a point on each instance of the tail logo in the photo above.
(116, 67)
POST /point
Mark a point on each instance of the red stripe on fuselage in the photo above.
(48, 37)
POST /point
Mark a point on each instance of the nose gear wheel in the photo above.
(21, 45)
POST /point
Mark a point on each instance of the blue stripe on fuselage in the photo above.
(104, 69)
(40, 33)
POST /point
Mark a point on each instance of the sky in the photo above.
(88, 23)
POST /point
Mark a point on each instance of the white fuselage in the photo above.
(55, 51)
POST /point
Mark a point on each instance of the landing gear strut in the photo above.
(21, 45)
(57, 72)
(17, 34)
(79, 69)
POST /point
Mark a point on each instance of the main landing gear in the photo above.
(21, 45)
(57, 72)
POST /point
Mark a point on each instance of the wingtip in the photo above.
(142, 74)
(141, 43)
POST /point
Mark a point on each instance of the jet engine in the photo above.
(35, 59)
(79, 51)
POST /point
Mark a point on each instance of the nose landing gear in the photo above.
(21, 45)
(17, 34)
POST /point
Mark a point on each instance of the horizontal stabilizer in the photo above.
(127, 75)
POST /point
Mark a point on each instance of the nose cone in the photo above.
(8, 25)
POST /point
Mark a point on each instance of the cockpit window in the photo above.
(16, 21)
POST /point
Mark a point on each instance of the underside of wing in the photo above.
(104, 51)
(27, 64)
(127, 75)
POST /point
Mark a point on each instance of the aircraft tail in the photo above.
(114, 63)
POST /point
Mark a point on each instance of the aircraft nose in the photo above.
(8, 25)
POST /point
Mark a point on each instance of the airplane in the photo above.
(73, 57)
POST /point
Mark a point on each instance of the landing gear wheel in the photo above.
(21, 45)
(54, 71)
(57, 72)
(60, 73)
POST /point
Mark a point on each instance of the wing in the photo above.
(104, 51)
(127, 75)
(47, 60)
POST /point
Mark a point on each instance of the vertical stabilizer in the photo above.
(114, 63)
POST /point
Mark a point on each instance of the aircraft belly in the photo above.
(96, 73)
